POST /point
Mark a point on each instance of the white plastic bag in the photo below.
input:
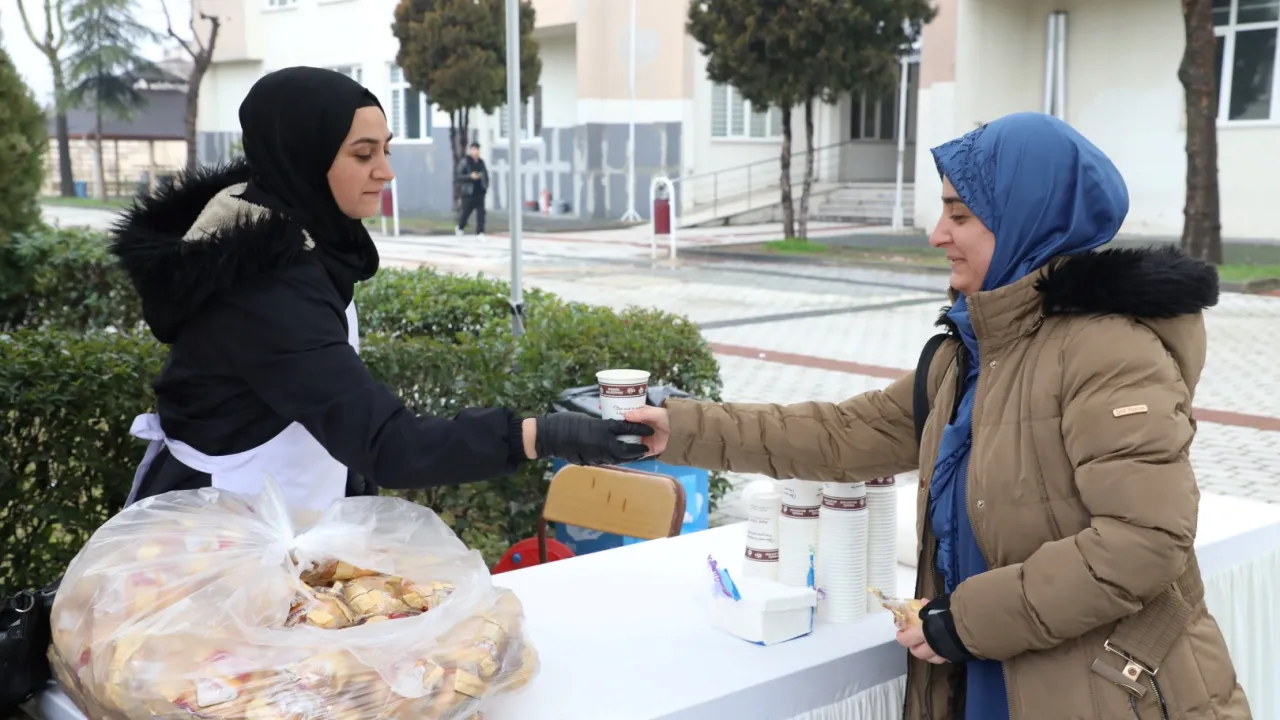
(190, 604)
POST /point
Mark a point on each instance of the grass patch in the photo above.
(793, 246)
(1247, 273)
(108, 204)
(419, 225)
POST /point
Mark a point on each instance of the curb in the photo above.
(801, 260)
(1253, 287)
(1265, 286)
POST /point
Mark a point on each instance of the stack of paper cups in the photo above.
(797, 529)
(882, 539)
(842, 552)
(763, 508)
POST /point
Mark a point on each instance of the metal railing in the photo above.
(719, 189)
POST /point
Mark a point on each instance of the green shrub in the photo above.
(66, 457)
(23, 142)
(66, 278)
(67, 397)
(424, 302)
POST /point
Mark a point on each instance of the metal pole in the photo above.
(1060, 66)
(631, 215)
(902, 143)
(1050, 31)
(514, 107)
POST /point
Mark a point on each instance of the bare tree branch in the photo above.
(62, 25)
(26, 25)
(168, 22)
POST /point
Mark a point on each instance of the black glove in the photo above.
(583, 440)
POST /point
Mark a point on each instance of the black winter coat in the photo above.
(257, 336)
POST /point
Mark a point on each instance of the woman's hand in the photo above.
(583, 440)
(656, 418)
(913, 640)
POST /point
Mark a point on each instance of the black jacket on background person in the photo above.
(257, 336)
(470, 186)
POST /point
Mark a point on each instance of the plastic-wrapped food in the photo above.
(906, 613)
(207, 604)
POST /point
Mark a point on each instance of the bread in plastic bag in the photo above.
(209, 604)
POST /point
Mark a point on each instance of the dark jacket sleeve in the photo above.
(287, 338)
(464, 170)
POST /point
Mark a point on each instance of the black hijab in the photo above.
(294, 122)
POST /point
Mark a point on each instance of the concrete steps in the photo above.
(864, 203)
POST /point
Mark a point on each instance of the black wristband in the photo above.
(940, 631)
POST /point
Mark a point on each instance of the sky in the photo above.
(33, 66)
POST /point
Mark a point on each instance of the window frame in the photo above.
(772, 118)
(1228, 33)
(531, 127)
(399, 88)
(355, 71)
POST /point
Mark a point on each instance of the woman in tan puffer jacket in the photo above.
(1057, 504)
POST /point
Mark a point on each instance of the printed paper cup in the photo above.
(622, 391)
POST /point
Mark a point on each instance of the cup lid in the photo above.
(623, 376)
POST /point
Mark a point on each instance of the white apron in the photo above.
(307, 475)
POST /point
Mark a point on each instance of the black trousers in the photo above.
(474, 201)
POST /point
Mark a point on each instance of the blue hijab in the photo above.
(1043, 190)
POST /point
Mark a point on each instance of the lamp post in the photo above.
(513, 176)
(631, 215)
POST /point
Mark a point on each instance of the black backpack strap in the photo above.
(920, 395)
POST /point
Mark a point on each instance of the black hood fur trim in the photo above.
(1154, 282)
(176, 277)
(1157, 282)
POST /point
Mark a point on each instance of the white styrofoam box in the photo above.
(769, 612)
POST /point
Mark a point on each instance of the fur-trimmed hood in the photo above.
(1153, 283)
(185, 243)
(1145, 283)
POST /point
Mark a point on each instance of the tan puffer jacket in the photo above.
(1080, 492)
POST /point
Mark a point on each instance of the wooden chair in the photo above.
(613, 500)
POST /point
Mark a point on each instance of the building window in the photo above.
(410, 109)
(1246, 58)
(530, 118)
(733, 117)
(355, 72)
(876, 118)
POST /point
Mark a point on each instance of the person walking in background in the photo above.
(473, 180)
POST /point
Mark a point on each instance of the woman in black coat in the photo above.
(247, 273)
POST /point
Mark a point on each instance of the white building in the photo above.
(577, 124)
(986, 58)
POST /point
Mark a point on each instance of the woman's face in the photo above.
(361, 168)
(966, 241)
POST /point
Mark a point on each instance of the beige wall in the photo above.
(123, 162)
(663, 52)
(232, 42)
(938, 45)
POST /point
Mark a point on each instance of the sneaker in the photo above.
(480, 237)
(457, 232)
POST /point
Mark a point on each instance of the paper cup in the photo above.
(622, 391)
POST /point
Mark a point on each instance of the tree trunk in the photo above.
(1202, 225)
(99, 176)
(455, 119)
(788, 210)
(66, 178)
(803, 223)
(193, 112)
